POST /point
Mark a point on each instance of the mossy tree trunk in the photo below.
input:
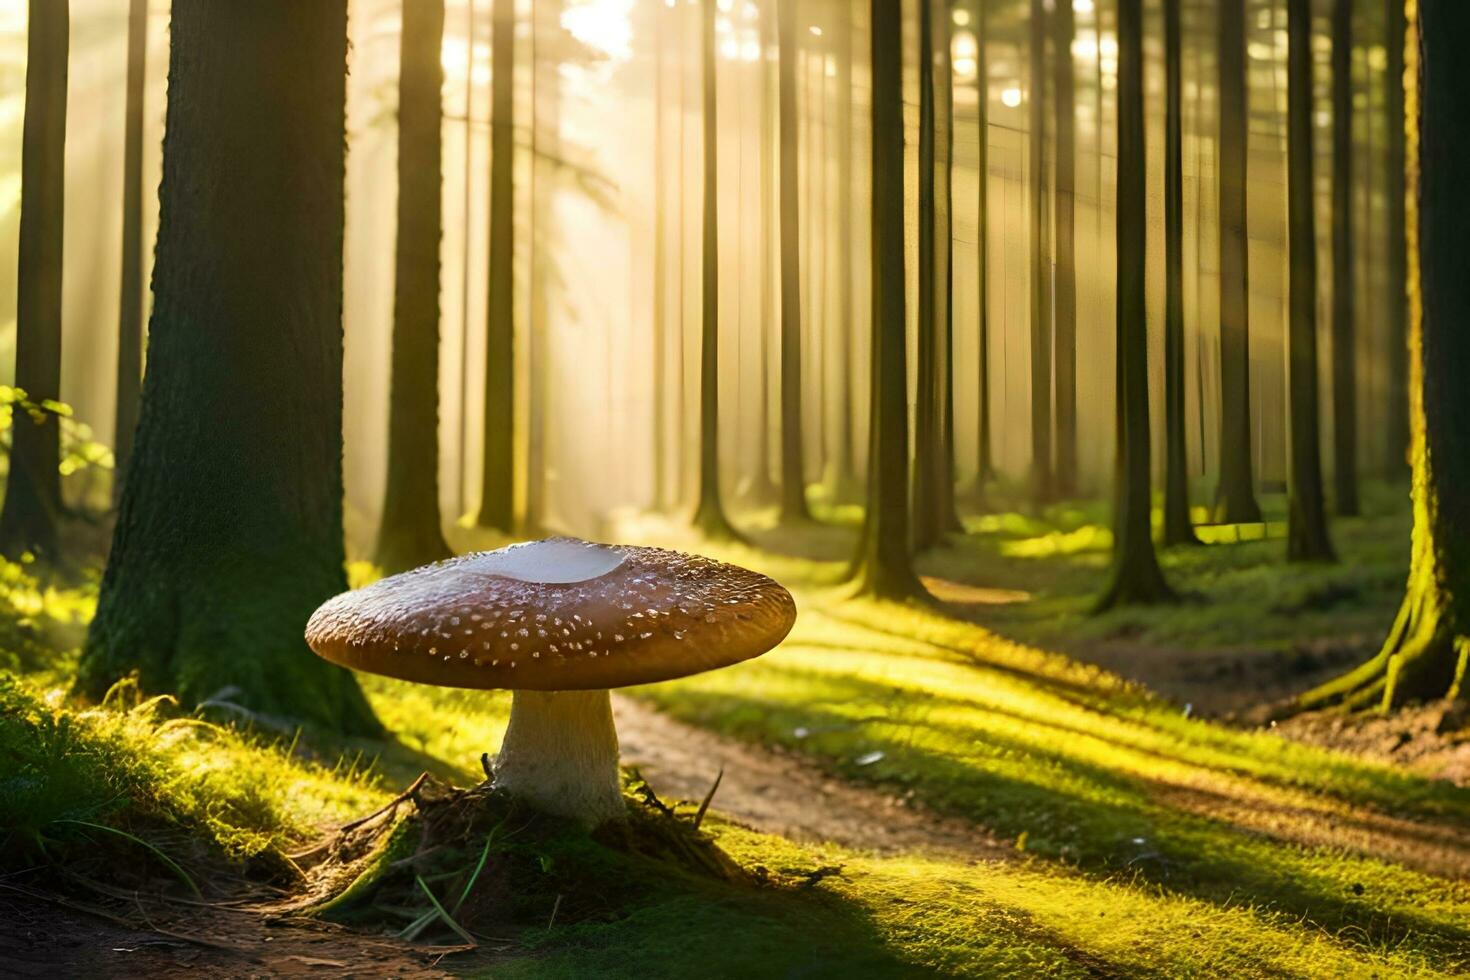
(1396, 404)
(1427, 651)
(410, 532)
(1178, 528)
(984, 455)
(1235, 501)
(498, 470)
(131, 293)
(793, 458)
(1043, 477)
(1344, 307)
(933, 492)
(1306, 535)
(230, 531)
(1136, 576)
(32, 511)
(1064, 285)
(884, 566)
(709, 514)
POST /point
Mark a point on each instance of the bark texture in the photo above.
(498, 473)
(1306, 536)
(1426, 652)
(1136, 576)
(1235, 501)
(709, 514)
(230, 531)
(131, 296)
(884, 567)
(1178, 527)
(1396, 409)
(1344, 307)
(410, 532)
(32, 509)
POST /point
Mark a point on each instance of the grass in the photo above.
(1141, 841)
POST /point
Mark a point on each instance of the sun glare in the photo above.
(602, 24)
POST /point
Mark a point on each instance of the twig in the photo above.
(554, 908)
(699, 817)
(403, 797)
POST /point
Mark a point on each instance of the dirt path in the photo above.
(782, 794)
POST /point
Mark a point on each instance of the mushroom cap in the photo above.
(555, 615)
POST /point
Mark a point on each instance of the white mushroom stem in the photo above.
(560, 754)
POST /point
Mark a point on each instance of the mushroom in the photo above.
(557, 622)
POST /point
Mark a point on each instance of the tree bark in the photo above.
(883, 567)
(709, 515)
(410, 533)
(32, 510)
(1428, 650)
(230, 531)
(1344, 308)
(1064, 286)
(984, 456)
(131, 293)
(1136, 576)
(933, 495)
(1306, 536)
(793, 459)
(497, 478)
(1043, 478)
(1178, 527)
(1235, 501)
(841, 465)
(1396, 409)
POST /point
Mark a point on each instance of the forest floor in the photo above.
(997, 785)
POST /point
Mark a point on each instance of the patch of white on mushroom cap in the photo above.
(555, 562)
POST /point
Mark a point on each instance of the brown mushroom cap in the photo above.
(555, 615)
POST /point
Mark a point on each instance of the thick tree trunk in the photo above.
(793, 459)
(410, 532)
(1428, 651)
(984, 457)
(933, 500)
(131, 295)
(1396, 408)
(1306, 537)
(230, 532)
(1064, 286)
(32, 509)
(497, 478)
(1178, 528)
(1344, 308)
(1043, 478)
(1136, 577)
(709, 515)
(883, 567)
(1235, 501)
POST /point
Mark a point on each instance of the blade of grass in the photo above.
(703, 806)
(448, 919)
(479, 866)
(167, 861)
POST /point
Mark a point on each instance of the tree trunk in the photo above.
(1344, 309)
(1136, 577)
(1064, 286)
(933, 501)
(1427, 652)
(230, 531)
(1396, 409)
(32, 510)
(1306, 537)
(841, 465)
(709, 515)
(1043, 479)
(410, 532)
(1178, 528)
(131, 295)
(1235, 501)
(984, 457)
(793, 459)
(883, 567)
(497, 478)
